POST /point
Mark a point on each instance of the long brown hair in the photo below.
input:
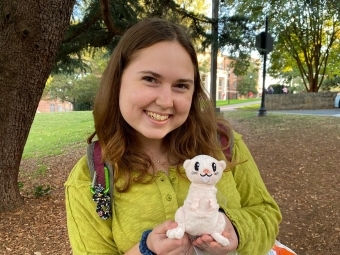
(197, 135)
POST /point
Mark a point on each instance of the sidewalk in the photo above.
(234, 106)
(321, 112)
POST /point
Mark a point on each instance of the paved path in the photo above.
(323, 112)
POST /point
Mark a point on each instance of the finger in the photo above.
(173, 224)
(226, 234)
(200, 243)
(232, 236)
(186, 249)
(165, 226)
(208, 244)
(190, 250)
(207, 238)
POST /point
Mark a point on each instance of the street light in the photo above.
(228, 83)
(214, 50)
(250, 83)
(264, 44)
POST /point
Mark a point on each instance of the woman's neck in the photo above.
(158, 154)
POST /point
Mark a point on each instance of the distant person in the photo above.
(270, 90)
(285, 90)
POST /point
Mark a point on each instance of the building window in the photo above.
(220, 82)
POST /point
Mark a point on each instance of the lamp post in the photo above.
(264, 44)
(250, 83)
(262, 111)
(228, 83)
(214, 50)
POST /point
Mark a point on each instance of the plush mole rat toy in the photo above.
(199, 215)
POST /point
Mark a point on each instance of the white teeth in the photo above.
(156, 116)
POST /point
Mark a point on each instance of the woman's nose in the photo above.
(165, 97)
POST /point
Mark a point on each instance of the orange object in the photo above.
(280, 249)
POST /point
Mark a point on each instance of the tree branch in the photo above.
(105, 9)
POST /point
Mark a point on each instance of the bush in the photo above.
(40, 191)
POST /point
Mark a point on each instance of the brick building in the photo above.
(226, 83)
(54, 106)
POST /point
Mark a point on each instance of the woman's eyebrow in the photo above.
(186, 81)
(152, 73)
(157, 75)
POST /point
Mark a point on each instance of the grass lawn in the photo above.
(253, 107)
(236, 101)
(52, 132)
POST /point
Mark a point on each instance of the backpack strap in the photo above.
(101, 174)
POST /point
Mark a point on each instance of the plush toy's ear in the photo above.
(186, 163)
(223, 164)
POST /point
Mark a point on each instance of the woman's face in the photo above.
(156, 89)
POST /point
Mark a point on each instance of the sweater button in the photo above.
(169, 197)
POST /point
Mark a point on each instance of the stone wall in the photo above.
(312, 100)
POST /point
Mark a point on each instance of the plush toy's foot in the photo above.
(175, 233)
(220, 239)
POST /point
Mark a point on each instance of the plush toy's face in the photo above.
(204, 169)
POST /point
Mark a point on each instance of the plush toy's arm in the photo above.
(214, 204)
(195, 204)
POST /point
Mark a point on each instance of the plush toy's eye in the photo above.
(213, 166)
(197, 166)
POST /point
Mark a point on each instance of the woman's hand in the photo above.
(160, 244)
(208, 244)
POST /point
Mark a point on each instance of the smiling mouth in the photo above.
(157, 116)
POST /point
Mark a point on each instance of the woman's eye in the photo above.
(182, 86)
(149, 79)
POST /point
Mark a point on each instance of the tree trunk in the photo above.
(313, 86)
(31, 32)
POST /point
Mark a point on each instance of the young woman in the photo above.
(151, 113)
